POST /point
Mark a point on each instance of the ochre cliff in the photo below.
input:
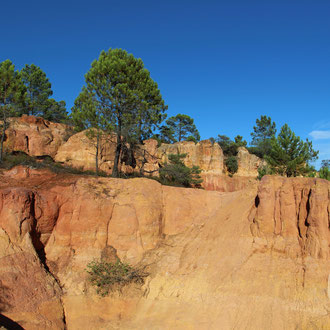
(35, 136)
(38, 137)
(256, 258)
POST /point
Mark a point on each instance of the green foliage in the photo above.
(107, 277)
(37, 101)
(231, 164)
(239, 142)
(38, 89)
(264, 170)
(262, 134)
(229, 147)
(212, 139)
(125, 96)
(289, 155)
(181, 127)
(12, 94)
(324, 172)
(176, 173)
(192, 139)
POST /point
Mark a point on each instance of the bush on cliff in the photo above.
(176, 173)
(232, 165)
(108, 276)
(324, 172)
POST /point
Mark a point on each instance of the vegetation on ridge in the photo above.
(120, 97)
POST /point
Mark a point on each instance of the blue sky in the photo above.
(224, 63)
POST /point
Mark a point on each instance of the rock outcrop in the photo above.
(35, 136)
(248, 164)
(256, 258)
(38, 137)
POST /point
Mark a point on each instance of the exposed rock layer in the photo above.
(38, 137)
(256, 258)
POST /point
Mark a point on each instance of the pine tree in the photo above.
(12, 94)
(264, 131)
(39, 90)
(182, 127)
(126, 96)
(289, 155)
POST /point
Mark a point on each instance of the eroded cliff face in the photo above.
(38, 137)
(256, 258)
(35, 136)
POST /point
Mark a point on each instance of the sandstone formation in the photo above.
(248, 164)
(207, 156)
(35, 136)
(38, 137)
(256, 258)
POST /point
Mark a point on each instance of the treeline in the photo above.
(120, 97)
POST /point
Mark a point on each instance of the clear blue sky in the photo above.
(224, 63)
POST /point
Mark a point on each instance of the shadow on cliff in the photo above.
(4, 305)
(9, 324)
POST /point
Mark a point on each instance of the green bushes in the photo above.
(176, 173)
(232, 165)
(109, 276)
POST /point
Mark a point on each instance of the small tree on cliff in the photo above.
(289, 155)
(12, 93)
(125, 96)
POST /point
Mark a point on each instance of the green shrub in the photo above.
(176, 173)
(107, 276)
(324, 173)
(231, 164)
(264, 170)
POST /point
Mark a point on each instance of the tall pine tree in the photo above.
(125, 96)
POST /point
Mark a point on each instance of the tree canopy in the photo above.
(181, 127)
(262, 134)
(230, 147)
(124, 96)
(12, 94)
(289, 155)
(39, 90)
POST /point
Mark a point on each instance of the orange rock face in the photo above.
(35, 136)
(248, 164)
(255, 258)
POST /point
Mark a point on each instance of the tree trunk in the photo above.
(115, 170)
(97, 152)
(4, 126)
